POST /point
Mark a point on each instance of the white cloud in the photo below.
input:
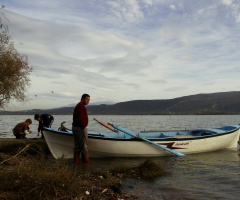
(173, 7)
(147, 3)
(126, 11)
(126, 50)
(227, 2)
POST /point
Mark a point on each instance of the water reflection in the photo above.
(135, 123)
(213, 175)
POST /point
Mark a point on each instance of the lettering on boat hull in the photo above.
(178, 145)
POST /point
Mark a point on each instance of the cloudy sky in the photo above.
(121, 50)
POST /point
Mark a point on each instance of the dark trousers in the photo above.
(19, 135)
(80, 139)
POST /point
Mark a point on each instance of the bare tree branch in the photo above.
(14, 69)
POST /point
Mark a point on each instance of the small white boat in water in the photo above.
(124, 143)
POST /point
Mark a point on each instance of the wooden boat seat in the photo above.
(203, 132)
(179, 136)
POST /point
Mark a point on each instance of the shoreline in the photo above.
(7, 144)
(19, 140)
(28, 163)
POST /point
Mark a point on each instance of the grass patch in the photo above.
(26, 176)
(30, 173)
(12, 146)
(146, 170)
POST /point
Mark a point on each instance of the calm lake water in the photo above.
(214, 175)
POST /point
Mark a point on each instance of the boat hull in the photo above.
(101, 146)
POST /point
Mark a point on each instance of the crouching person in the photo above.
(22, 129)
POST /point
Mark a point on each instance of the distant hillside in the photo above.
(215, 103)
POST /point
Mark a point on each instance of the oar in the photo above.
(105, 125)
(146, 140)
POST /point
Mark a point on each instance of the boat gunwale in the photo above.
(101, 137)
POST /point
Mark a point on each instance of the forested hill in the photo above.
(215, 103)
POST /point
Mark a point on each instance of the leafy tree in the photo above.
(14, 69)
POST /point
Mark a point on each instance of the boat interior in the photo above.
(171, 134)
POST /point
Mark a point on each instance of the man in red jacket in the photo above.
(80, 122)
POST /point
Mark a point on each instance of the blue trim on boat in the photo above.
(212, 133)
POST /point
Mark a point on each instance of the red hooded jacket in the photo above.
(80, 116)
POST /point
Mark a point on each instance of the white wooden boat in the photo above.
(124, 143)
